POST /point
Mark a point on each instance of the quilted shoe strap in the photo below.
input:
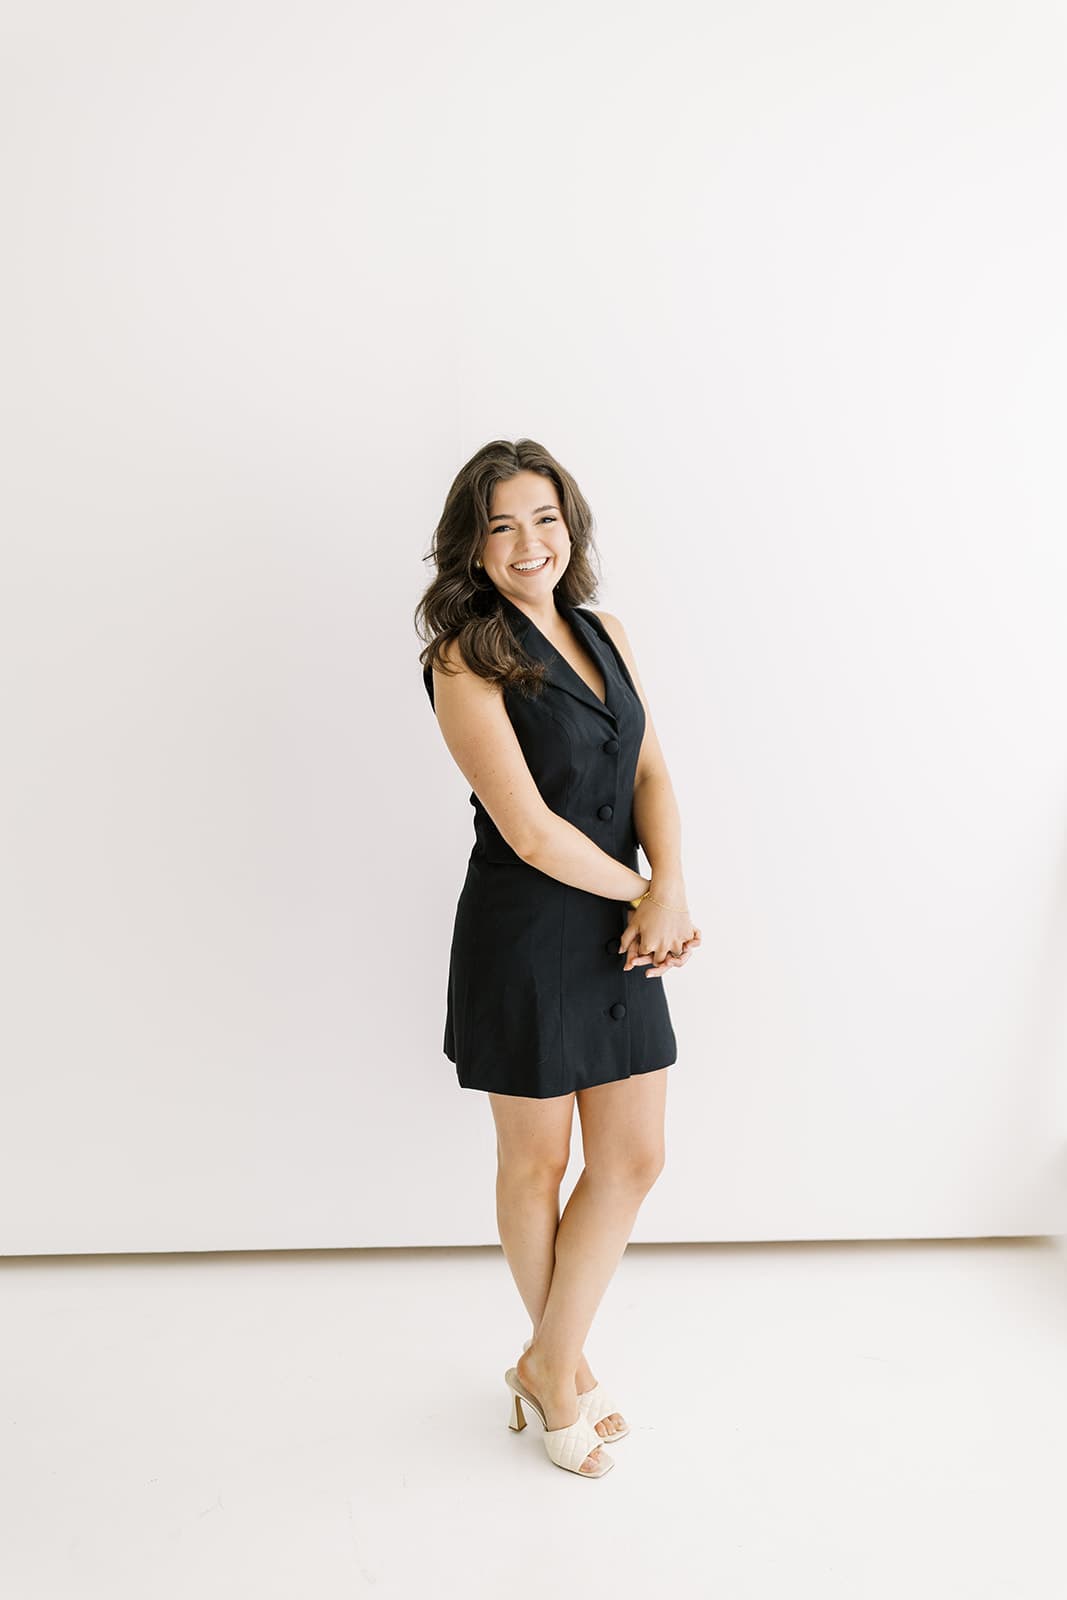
(568, 1447)
(596, 1404)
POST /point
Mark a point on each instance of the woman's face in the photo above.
(526, 525)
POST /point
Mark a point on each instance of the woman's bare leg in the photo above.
(622, 1138)
(533, 1142)
(533, 1147)
(623, 1143)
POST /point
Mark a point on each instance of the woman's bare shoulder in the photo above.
(618, 633)
(451, 683)
(451, 665)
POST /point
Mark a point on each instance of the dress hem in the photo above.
(635, 1072)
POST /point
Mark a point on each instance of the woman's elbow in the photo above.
(531, 838)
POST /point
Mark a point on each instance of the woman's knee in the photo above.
(532, 1169)
(634, 1168)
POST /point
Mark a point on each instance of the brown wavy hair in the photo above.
(462, 603)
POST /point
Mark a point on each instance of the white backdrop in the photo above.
(782, 286)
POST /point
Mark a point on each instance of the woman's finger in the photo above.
(637, 961)
(633, 959)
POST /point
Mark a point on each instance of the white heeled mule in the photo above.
(567, 1447)
(597, 1405)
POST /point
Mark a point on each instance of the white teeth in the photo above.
(529, 566)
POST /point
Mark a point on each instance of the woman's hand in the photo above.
(654, 934)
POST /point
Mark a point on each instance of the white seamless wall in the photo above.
(782, 286)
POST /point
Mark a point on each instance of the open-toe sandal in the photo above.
(597, 1405)
(567, 1447)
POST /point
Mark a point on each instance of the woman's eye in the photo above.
(505, 527)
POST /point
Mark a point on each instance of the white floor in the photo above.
(884, 1420)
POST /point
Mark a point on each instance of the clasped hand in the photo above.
(654, 934)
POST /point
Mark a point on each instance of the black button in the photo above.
(618, 1010)
(610, 745)
(606, 812)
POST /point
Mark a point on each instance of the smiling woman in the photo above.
(557, 1009)
(559, 944)
(539, 709)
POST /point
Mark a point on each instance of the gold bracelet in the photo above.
(648, 895)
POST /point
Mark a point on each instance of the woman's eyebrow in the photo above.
(506, 517)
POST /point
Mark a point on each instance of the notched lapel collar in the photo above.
(558, 670)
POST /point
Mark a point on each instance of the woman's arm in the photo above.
(565, 852)
(656, 816)
(661, 926)
(659, 832)
(478, 732)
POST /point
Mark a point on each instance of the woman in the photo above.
(540, 704)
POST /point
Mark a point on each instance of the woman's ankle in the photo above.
(557, 1374)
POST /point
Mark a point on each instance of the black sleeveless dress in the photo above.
(538, 1003)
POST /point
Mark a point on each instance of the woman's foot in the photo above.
(559, 1399)
(608, 1426)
